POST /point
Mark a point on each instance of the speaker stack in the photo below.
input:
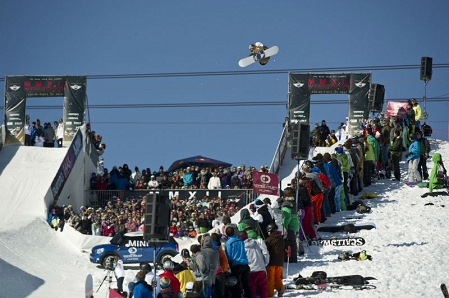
(300, 141)
(376, 97)
(157, 218)
(426, 69)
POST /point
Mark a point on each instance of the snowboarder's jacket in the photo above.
(141, 290)
(396, 147)
(247, 220)
(290, 219)
(275, 246)
(374, 145)
(257, 255)
(343, 158)
(413, 150)
(436, 158)
(184, 275)
(235, 252)
(424, 146)
(174, 282)
(212, 255)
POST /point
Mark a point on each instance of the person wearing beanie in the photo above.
(166, 290)
(139, 288)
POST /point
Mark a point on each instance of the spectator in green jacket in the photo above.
(290, 224)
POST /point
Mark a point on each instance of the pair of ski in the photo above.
(319, 280)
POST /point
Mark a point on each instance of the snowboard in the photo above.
(255, 58)
(444, 290)
(350, 228)
(320, 277)
(411, 184)
(334, 241)
(89, 286)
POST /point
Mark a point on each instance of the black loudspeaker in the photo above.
(376, 97)
(157, 218)
(300, 141)
(426, 69)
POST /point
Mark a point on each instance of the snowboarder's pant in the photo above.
(346, 186)
(241, 272)
(258, 283)
(342, 198)
(317, 200)
(422, 167)
(331, 199)
(274, 276)
(397, 171)
(326, 204)
(307, 223)
(384, 152)
(413, 173)
(337, 198)
(291, 241)
(120, 284)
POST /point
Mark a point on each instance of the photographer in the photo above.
(119, 272)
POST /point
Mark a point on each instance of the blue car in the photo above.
(131, 248)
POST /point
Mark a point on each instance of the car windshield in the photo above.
(117, 239)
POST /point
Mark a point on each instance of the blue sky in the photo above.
(144, 37)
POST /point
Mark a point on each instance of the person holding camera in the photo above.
(119, 272)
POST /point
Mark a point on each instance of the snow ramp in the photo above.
(35, 259)
(26, 174)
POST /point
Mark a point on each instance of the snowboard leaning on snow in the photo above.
(335, 241)
(341, 228)
(254, 58)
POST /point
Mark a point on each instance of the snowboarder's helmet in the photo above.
(272, 228)
(168, 265)
(145, 267)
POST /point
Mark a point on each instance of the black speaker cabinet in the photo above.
(426, 69)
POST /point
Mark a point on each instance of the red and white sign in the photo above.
(396, 109)
(265, 183)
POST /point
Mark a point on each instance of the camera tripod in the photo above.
(109, 277)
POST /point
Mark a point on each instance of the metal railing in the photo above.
(281, 149)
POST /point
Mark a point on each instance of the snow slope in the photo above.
(408, 246)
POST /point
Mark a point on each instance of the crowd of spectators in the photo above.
(188, 218)
(194, 177)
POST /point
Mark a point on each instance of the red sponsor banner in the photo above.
(396, 109)
(265, 183)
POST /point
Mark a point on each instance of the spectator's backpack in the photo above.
(427, 130)
(325, 182)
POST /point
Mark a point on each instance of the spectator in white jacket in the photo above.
(59, 127)
(153, 184)
(258, 259)
(119, 271)
(214, 182)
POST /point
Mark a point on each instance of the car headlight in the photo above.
(100, 251)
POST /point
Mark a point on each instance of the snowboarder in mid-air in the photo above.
(258, 52)
(258, 49)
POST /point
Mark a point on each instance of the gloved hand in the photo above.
(407, 155)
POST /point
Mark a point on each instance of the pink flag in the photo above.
(396, 109)
(265, 183)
